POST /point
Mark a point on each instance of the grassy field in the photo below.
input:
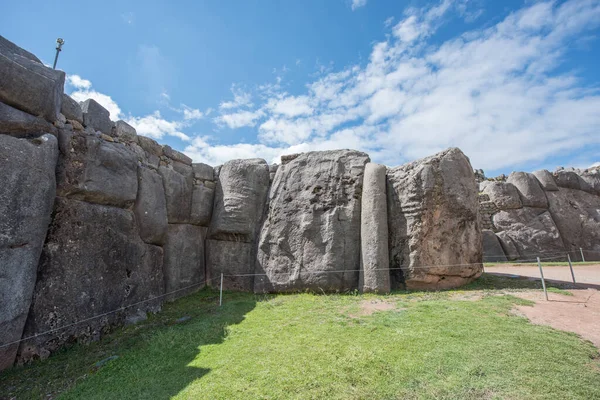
(443, 345)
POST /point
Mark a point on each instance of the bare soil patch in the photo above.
(368, 307)
(579, 313)
(589, 273)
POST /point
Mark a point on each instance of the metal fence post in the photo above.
(542, 275)
(221, 292)
(582, 257)
(571, 267)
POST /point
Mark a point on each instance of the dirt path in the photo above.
(583, 273)
(579, 313)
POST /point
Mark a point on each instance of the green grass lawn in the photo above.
(433, 345)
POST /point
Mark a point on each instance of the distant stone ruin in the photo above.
(541, 214)
(99, 225)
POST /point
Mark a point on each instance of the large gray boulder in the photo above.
(529, 188)
(569, 180)
(546, 180)
(202, 204)
(577, 217)
(435, 237)
(504, 195)
(591, 179)
(532, 230)
(124, 131)
(151, 207)
(492, 249)
(93, 262)
(184, 260)
(230, 258)
(203, 172)
(96, 171)
(28, 85)
(178, 192)
(71, 109)
(21, 124)
(240, 198)
(375, 258)
(310, 238)
(96, 117)
(27, 190)
(6, 46)
(511, 251)
(176, 155)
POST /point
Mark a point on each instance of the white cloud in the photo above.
(290, 106)
(156, 127)
(78, 82)
(358, 3)
(239, 119)
(191, 113)
(240, 99)
(494, 92)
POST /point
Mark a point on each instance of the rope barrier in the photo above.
(102, 315)
(402, 267)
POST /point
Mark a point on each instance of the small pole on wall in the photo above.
(582, 257)
(571, 267)
(542, 275)
(59, 44)
(221, 292)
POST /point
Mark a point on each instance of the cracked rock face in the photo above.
(433, 222)
(27, 189)
(93, 262)
(312, 224)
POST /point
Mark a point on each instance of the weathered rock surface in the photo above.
(184, 259)
(202, 204)
(8, 46)
(96, 117)
(96, 171)
(203, 172)
(124, 131)
(21, 124)
(591, 179)
(230, 258)
(151, 207)
(504, 195)
(150, 145)
(510, 250)
(240, 198)
(532, 230)
(577, 217)
(27, 190)
(178, 192)
(28, 85)
(569, 180)
(71, 109)
(375, 258)
(93, 262)
(492, 249)
(529, 188)
(433, 222)
(546, 180)
(312, 225)
(176, 155)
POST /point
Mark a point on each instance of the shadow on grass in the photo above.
(154, 356)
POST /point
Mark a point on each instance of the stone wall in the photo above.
(542, 214)
(99, 225)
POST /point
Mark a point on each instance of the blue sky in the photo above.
(514, 84)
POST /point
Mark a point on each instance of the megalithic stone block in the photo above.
(27, 192)
(30, 86)
(96, 116)
(375, 259)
